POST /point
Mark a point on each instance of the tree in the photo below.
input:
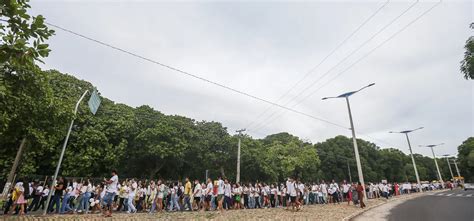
(467, 64)
(23, 86)
(466, 159)
(22, 35)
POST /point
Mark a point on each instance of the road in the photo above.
(449, 205)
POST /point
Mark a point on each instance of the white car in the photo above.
(468, 186)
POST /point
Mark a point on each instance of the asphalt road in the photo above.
(449, 205)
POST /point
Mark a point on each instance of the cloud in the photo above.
(263, 48)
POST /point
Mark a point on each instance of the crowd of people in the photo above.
(153, 196)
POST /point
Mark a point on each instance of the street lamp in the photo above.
(406, 132)
(449, 165)
(354, 140)
(457, 168)
(434, 157)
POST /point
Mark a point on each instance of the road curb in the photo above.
(353, 215)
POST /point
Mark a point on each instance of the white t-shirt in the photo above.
(345, 188)
(324, 188)
(39, 190)
(89, 188)
(301, 188)
(220, 187)
(209, 189)
(131, 193)
(197, 190)
(291, 188)
(112, 187)
(227, 190)
(83, 189)
(274, 191)
(45, 192)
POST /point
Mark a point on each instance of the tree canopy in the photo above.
(467, 64)
(142, 142)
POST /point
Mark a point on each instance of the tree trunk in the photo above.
(13, 170)
(222, 172)
(155, 171)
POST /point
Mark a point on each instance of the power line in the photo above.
(193, 75)
(270, 119)
(374, 49)
(261, 124)
(321, 62)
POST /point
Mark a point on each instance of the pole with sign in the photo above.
(94, 103)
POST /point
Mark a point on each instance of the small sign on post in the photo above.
(94, 102)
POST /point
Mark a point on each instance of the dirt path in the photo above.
(312, 212)
(376, 209)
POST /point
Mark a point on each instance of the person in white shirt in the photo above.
(288, 198)
(283, 198)
(110, 193)
(174, 198)
(209, 193)
(324, 190)
(131, 197)
(301, 190)
(245, 196)
(35, 192)
(237, 194)
(256, 196)
(44, 197)
(227, 194)
(197, 194)
(385, 190)
(345, 191)
(292, 190)
(251, 196)
(220, 193)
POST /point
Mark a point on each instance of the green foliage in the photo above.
(29, 109)
(22, 35)
(467, 64)
(142, 142)
(466, 159)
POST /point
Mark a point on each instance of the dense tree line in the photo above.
(37, 106)
(143, 142)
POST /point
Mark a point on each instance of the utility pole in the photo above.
(238, 156)
(449, 166)
(414, 164)
(457, 169)
(436, 162)
(349, 169)
(406, 132)
(354, 139)
(9, 182)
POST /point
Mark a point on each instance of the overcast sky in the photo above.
(264, 48)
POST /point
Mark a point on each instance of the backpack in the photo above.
(180, 192)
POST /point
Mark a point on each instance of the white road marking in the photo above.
(469, 195)
(459, 194)
(449, 194)
(440, 194)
